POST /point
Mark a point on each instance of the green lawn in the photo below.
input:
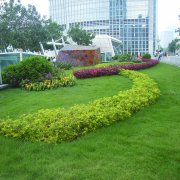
(146, 146)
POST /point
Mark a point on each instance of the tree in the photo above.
(172, 46)
(23, 27)
(177, 46)
(80, 36)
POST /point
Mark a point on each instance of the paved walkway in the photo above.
(174, 60)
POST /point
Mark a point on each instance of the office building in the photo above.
(131, 21)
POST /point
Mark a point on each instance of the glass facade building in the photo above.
(131, 21)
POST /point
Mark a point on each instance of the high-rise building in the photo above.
(131, 21)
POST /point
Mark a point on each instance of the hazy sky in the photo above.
(167, 12)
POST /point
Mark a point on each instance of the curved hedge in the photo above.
(96, 72)
(112, 70)
(59, 125)
(113, 63)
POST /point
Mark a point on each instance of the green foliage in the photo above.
(172, 46)
(123, 57)
(136, 61)
(116, 57)
(80, 36)
(33, 69)
(64, 65)
(63, 81)
(23, 27)
(59, 125)
(177, 46)
(115, 63)
(147, 143)
(146, 56)
(17, 102)
(53, 29)
(11, 75)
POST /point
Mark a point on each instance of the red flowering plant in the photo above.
(112, 70)
(96, 72)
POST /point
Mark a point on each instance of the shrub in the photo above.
(61, 125)
(138, 66)
(146, 56)
(68, 80)
(116, 57)
(64, 65)
(137, 61)
(49, 83)
(116, 63)
(11, 75)
(33, 68)
(57, 72)
(96, 72)
(124, 57)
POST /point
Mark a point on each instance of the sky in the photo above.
(168, 11)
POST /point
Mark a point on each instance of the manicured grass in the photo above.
(145, 146)
(15, 102)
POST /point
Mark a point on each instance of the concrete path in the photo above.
(174, 60)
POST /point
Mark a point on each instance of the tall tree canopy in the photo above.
(172, 46)
(23, 27)
(80, 36)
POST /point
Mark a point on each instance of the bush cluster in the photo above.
(32, 68)
(146, 56)
(139, 66)
(136, 60)
(96, 72)
(123, 57)
(115, 63)
(112, 70)
(116, 57)
(63, 81)
(64, 65)
(62, 125)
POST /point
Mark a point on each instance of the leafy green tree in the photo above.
(23, 27)
(80, 36)
(172, 46)
(177, 46)
(53, 29)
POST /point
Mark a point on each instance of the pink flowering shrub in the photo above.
(113, 70)
(96, 72)
(144, 65)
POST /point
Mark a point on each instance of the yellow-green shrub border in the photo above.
(61, 125)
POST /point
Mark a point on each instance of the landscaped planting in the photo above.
(123, 57)
(114, 63)
(146, 64)
(96, 72)
(32, 68)
(37, 74)
(63, 81)
(59, 125)
(147, 56)
(112, 70)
